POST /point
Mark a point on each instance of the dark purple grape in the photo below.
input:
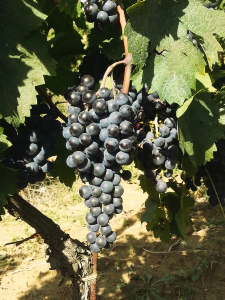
(88, 81)
(85, 192)
(91, 237)
(89, 97)
(103, 219)
(101, 241)
(99, 106)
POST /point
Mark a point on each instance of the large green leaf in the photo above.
(59, 84)
(172, 71)
(200, 125)
(4, 143)
(18, 18)
(72, 7)
(138, 46)
(109, 42)
(8, 181)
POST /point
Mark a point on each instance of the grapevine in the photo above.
(136, 93)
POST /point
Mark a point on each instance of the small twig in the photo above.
(60, 102)
(109, 70)
(113, 87)
(123, 24)
(216, 193)
(50, 103)
(24, 240)
(156, 125)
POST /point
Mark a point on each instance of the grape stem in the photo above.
(42, 92)
(128, 56)
(156, 125)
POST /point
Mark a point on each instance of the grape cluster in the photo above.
(101, 135)
(157, 135)
(32, 144)
(101, 13)
(216, 170)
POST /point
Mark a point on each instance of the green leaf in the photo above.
(138, 46)
(150, 208)
(72, 8)
(167, 277)
(109, 42)
(74, 45)
(8, 185)
(173, 184)
(147, 186)
(4, 143)
(179, 217)
(204, 83)
(200, 125)
(165, 24)
(66, 175)
(59, 84)
(13, 69)
(149, 277)
(188, 166)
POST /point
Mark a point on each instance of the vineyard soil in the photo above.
(26, 275)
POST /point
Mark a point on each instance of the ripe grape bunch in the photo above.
(32, 144)
(102, 140)
(101, 13)
(157, 135)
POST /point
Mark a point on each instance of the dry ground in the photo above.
(24, 273)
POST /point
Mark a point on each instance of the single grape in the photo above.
(122, 99)
(118, 210)
(88, 81)
(89, 97)
(91, 237)
(104, 92)
(103, 219)
(93, 227)
(95, 248)
(159, 142)
(72, 97)
(107, 187)
(164, 130)
(90, 219)
(40, 157)
(116, 117)
(101, 241)
(106, 230)
(111, 144)
(70, 162)
(85, 139)
(95, 211)
(32, 168)
(112, 105)
(85, 192)
(75, 129)
(170, 164)
(112, 237)
(125, 145)
(97, 181)
(103, 135)
(104, 122)
(82, 88)
(99, 106)
(99, 170)
(96, 191)
(122, 158)
(94, 115)
(126, 175)
(113, 19)
(117, 201)
(74, 110)
(108, 209)
(74, 142)
(84, 118)
(126, 111)
(109, 6)
(105, 198)
(92, 149)
(126, 127)
(113, 130)
(118, 191)
(161, 187)
(158, 160)
(34, 136)
(116, 179)
(31, 149)
(85, 167)
(108, 175)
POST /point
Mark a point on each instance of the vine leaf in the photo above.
(165, 24)
(109, 42)
(70, 7)
(200, 125)
(8, 185)
(138, 46)
(4, 143)
(59, 84)
(66, 175)
(15, 66)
